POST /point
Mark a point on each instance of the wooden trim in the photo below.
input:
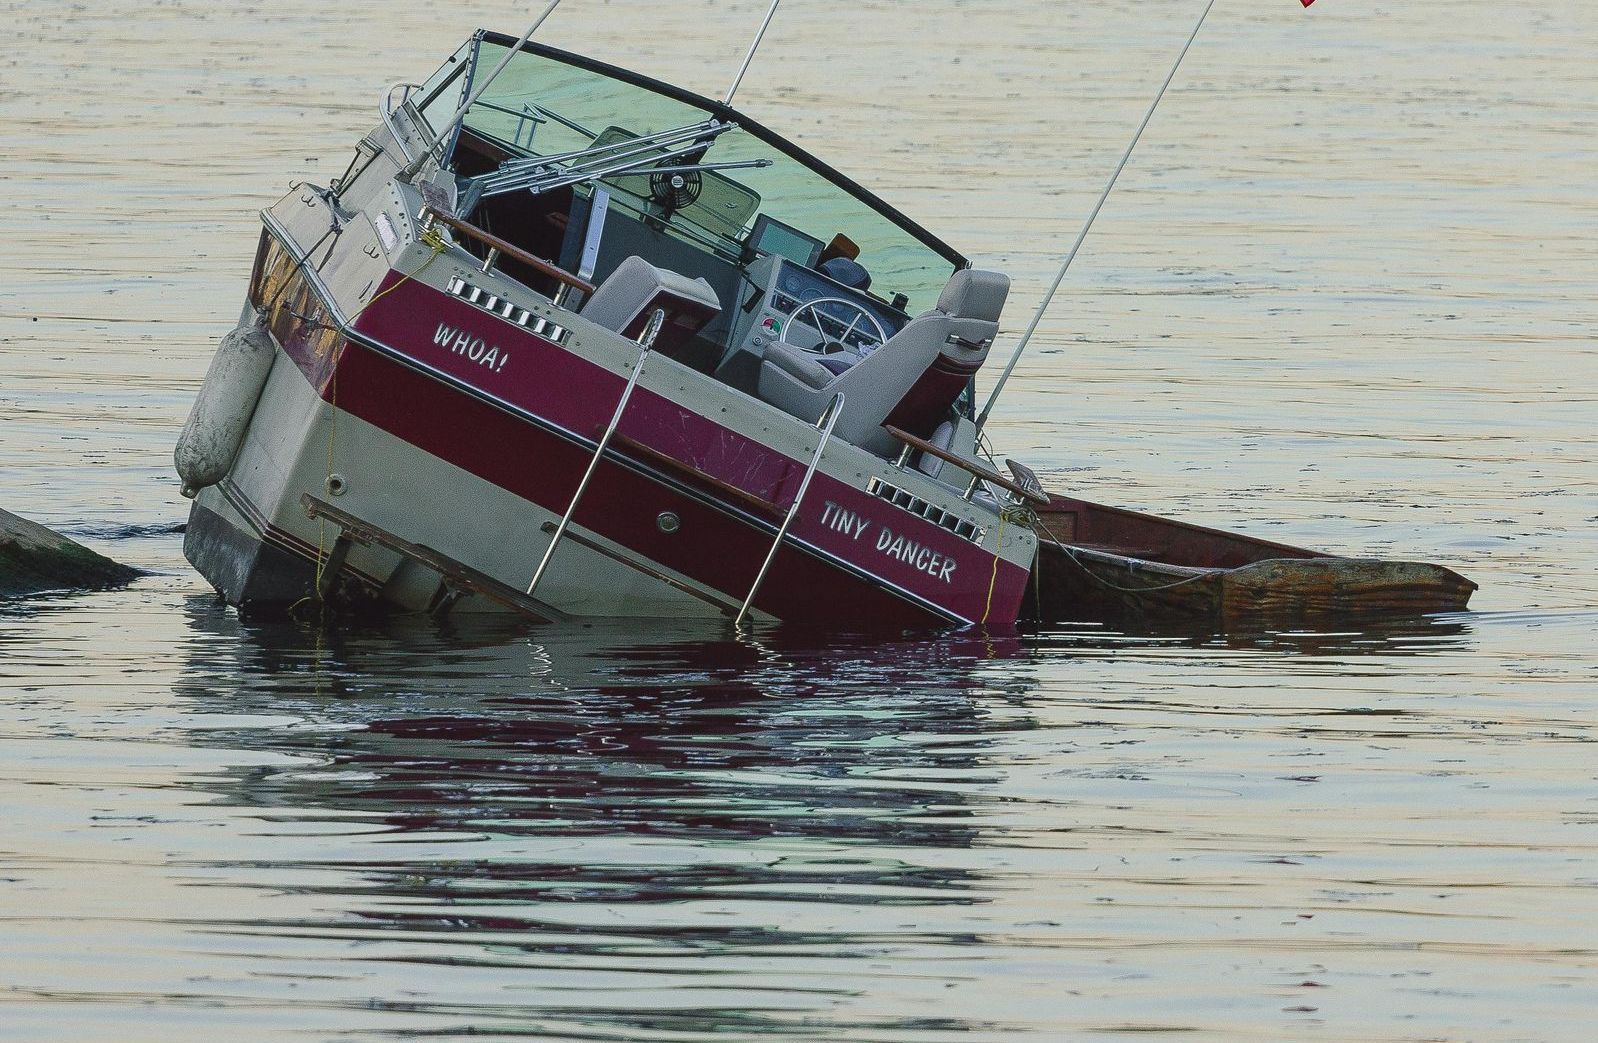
(671, 463)
(511, 250)
(987, 474)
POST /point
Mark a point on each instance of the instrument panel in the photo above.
(783, 307)
(792, 286)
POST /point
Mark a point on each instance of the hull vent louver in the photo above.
(508, 310)
(913, 504)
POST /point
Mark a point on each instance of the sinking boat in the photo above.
(569, 341)
(604, 348)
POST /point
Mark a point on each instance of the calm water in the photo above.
(1343, 297)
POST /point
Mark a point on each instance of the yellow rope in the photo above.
(432, 238)
(993, 581)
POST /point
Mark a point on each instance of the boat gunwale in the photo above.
(1258, 548)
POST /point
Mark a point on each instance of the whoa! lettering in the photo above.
(478, 350)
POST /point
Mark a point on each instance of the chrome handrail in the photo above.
(646, 342)
(386, 109)
(825, 425)
(644, 141)
(524, 116)
(541, 173)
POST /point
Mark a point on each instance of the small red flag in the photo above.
(1306, 3)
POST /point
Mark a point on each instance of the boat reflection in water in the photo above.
(582, 828)
(582, 724)
(1354, 637)
(578, 830)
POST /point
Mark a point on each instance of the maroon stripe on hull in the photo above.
(620, 505)
(550, 382)
(717, 546)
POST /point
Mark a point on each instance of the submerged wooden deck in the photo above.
(1101, 563)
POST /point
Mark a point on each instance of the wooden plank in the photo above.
(1070, 520)
(1342, 587)
(671, 463)
(1098, 563)
(982, 471)
(458, 573)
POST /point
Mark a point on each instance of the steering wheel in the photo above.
(860, 313)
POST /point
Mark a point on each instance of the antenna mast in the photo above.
(460, 113)
(1059, 276)
(771, 13)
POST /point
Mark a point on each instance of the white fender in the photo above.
(215, 429)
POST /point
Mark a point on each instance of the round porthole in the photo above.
(667, 522)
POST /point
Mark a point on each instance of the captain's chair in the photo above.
(909, 382)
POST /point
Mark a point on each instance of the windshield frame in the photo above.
(725, 113)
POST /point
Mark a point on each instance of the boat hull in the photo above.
(400, 423)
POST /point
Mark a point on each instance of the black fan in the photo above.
(675, 190)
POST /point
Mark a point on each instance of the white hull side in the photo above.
(297, 440)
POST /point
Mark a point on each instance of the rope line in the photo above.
(993, 580)
(1070, 552)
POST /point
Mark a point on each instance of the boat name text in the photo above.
(892, 544)
(459, 342)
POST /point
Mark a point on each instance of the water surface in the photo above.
(1342, 298)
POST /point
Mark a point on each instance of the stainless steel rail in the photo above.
(415, 165)
(643, 141)
(650, 154)
(825, 425)
(386, 109)
(646, 342)
(524, 116)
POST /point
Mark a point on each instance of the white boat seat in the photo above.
(631, 293)
(911, 381)
(801, 365)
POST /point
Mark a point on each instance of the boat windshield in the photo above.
(762, 196)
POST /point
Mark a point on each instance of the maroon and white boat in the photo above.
(602, 347)
(568, 341)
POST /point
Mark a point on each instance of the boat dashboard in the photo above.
(774, 281)
(804, 308)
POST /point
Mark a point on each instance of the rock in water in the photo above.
(32, 559)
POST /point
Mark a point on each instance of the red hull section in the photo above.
(822, 576)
